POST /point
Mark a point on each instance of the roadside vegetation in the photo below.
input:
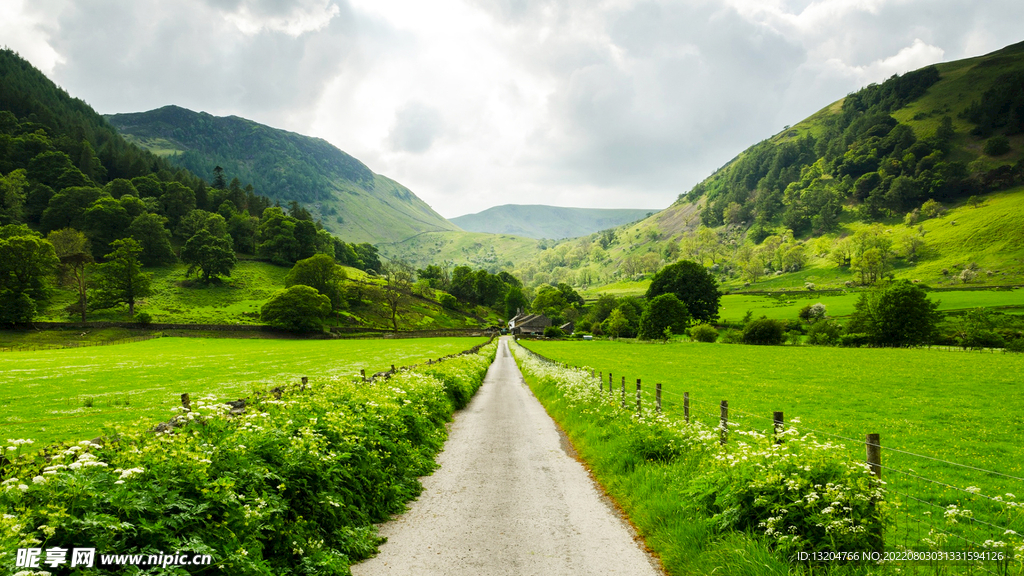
(294, 485)
(71, 395)
(750, 507)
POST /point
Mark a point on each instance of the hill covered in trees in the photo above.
(917, 177)
(336, 188)
(538, 221)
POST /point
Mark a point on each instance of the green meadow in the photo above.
(964, 408)
(786, 305)
(69, 395)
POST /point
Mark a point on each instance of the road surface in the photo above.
(508, 500)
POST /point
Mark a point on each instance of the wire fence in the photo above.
(936, 505)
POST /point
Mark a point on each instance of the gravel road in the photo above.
(508, 500)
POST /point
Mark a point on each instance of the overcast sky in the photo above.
(476, 103)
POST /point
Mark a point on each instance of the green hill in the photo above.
(538, 221)
(918, 177)
(350, 200)
(492, 252)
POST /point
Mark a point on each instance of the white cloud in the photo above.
(23, 29)
(475, 103)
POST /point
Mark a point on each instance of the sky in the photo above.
(478, 103)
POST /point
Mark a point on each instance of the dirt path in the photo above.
(508, 500)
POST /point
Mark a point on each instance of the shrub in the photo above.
(997, 146)
(143, 318)
(824, 333)
(732, 336)
(812, 312)
(299, 308)
(763, 331)
(1016, 345)
(553, 332)
(448, 301)
(854, 340)
(665, 312)
(704, 333)
(931, 209)
(896, 313)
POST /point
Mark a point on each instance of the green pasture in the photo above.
(69, 395)
(966, 408)
(786, 305)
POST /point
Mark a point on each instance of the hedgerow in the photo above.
(292, 486)
(799, 495)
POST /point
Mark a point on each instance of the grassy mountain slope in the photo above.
(492, 252)
(339, 190)
(806, 205)
(537, 221)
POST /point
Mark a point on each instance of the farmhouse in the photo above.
(528, 324)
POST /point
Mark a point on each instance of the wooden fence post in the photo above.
(639, 408)
(724, 422)
(779, 423)
(686, 406)
(186, 402)
(609, 383)
(623, 391)
(873, 445)
(305, 380)
(362, 372)
(657, 398)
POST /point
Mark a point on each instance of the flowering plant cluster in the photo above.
(801, 494)
(291, 486)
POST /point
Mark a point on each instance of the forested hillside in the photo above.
(942, 133)
(84, 210)
(918, 177)
(337, 189)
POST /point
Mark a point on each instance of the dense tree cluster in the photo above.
(66, 173)
(863, 155)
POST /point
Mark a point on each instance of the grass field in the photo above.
(960, 407)
(57, 395)
(786, 305)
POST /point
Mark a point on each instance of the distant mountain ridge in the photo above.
(553, 222)
(341, 191)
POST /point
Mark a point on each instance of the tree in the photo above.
(515, 301)
(615, 324)
(177, 201)
(299, 308)
(764, 331)
(242, 228)
(305, 239)
(276, 236)
(72, 249)
(393, 298)
(66, 208)
(105, 221)
(211, 255)
(664, 313)
(897, 313)
(26, 263)
(121, 279)
(693, 285)
(12, 197)
(197, 220)
(323, 274)
(149, 231)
